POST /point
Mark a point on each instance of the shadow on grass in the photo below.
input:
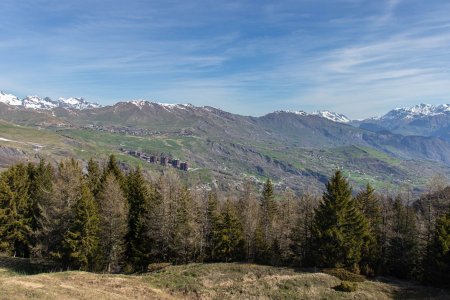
(29, 266)
(413, 290)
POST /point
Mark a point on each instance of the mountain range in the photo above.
(295, 148)
(35, 102)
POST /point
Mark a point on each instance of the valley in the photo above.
(296, 149)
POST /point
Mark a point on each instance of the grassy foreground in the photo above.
(199, 281)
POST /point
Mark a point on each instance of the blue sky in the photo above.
(357, 57)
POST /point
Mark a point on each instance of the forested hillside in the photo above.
(103, 219)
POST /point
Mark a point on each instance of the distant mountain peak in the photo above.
(142, 103)
(332, 116)
(296, 112)
(36, 102)
(335, 117)
(420, 110)
(9, 99)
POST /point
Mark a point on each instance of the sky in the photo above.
(356, 57)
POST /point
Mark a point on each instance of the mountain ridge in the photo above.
(402, 113)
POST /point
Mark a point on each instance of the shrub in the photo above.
(346, 286)
(157, 267)
(344, 275)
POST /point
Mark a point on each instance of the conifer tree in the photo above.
(112, 166)
(264, 232)
(41, 177)
(403, 248)
(339, 229)
(437, 262)
(80, 242)
(185, 229)
(230, 243)
(94, 176)
(213, 226)
(371, 253)
(60, 212)
(137, 242)
(113, 224)
(16, 234)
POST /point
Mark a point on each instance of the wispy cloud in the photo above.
(359, 57)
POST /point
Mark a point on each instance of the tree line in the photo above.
(105, 220)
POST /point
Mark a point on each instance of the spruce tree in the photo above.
(230, 243)
(339, 229)
(138, 246)
(368, 204)
(41, 177)
(437, 262)
(16, 233)
(80, 242)
(112, 166)
(94, 176)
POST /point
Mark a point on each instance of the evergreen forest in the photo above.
(100, 218)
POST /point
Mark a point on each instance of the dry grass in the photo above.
(202, 281)
(78, 285)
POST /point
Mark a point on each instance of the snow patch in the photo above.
(332, 116)
(416, 111)
(9, 99)
(335, 117)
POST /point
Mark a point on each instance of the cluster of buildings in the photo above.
(154, 159)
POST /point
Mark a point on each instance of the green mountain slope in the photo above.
(296, 151)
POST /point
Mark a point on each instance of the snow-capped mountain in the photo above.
(416, 111)
(332, 116)
(35, 102)
(9, 99)
(168, 106)
(76, 103)
(335, 117)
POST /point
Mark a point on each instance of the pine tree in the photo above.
(16, 234)
(339, 229)
(437, 268)
(80, 242)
